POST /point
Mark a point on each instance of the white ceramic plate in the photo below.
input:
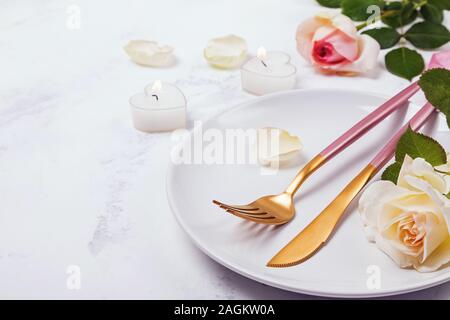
(343, 266)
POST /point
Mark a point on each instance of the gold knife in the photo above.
(310, 239)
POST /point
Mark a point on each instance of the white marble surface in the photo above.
(78, 185)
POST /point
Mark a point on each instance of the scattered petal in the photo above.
(226, 52)
(277, 146)
(149, 53)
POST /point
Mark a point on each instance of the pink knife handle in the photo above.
(370, 121)
(415, 123)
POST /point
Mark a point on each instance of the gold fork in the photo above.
(279, 209)
(275, 209)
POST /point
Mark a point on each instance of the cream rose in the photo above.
(410, 221)
(331, 43)
(445, 169)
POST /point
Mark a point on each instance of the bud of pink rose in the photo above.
(331, 43)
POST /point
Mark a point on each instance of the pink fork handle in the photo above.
(415, 123)
(370, 121)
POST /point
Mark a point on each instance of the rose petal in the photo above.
(149, 53)
(390, 232)
(372, 198)
(436, 233)
(277, 145)
(447, 181)
(444, 167)
(226, 52)
(367, 59)
(343, 44)
(345, 24)
(439, 257)
(305, 34)
(412, 202)
(440, 60)
(323, 32)
(440, 201)
(423, 170)
(325, 17)
(399, 258)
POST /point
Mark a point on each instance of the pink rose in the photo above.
(331, 43)
(440, 60)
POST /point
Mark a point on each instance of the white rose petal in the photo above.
(226, 52)
(445, 167)
(402, 260)
(437, 259)
(370, 204)
(276, 146)
(421, 169)
(437, 233)
(149, 53)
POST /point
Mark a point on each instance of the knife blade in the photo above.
(310, 239)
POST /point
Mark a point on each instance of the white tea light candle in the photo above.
(268, 72)
(162, 107)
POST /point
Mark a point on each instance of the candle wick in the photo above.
(156, 96)
(264, 64)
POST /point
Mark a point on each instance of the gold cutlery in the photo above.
(279, 209)
(310, 239)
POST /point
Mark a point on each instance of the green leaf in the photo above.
(428, 35)
(330, 3)
(441, 4)
(386, 37)
(400, 17)
(418, 145)
(392, 172)
(435, 83)
(432, 13)
(448, 195)
(357, 9)
(404, 63)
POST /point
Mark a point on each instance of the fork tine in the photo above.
(245, 207)
(237, 208)
(250, 213)
(249, 217)
(255, 214)
(244, 216)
